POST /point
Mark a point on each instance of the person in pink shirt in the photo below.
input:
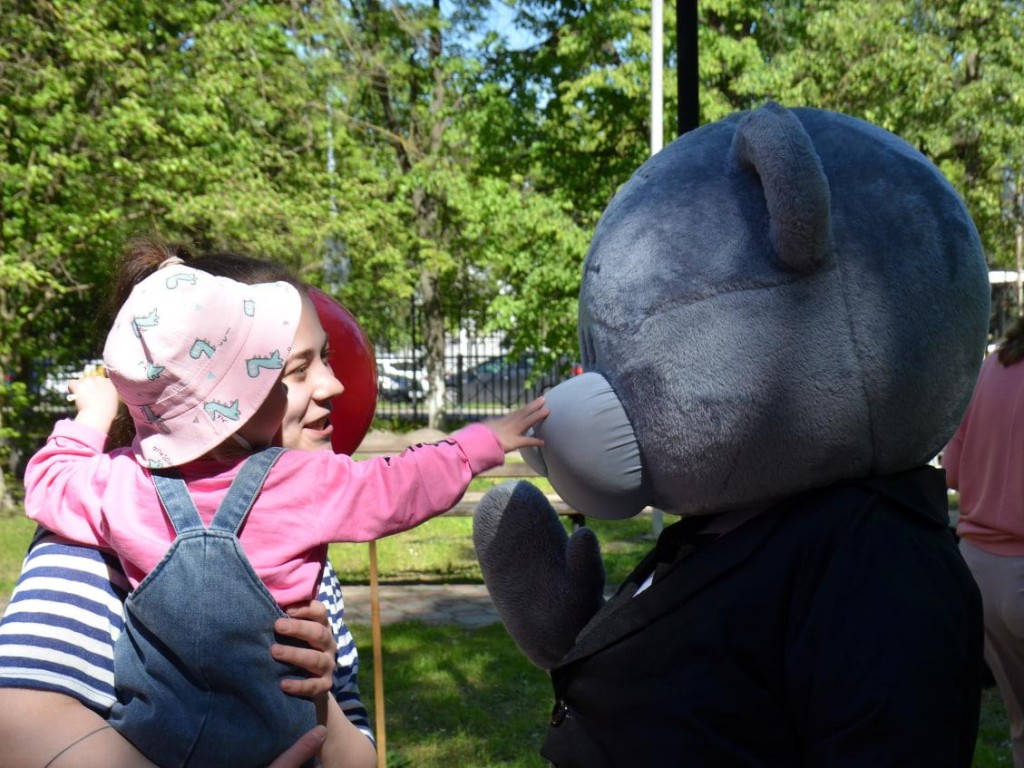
(215, 525)
(985, 462)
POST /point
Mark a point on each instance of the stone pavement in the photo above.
(467, 605)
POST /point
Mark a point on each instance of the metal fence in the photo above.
(476, 385)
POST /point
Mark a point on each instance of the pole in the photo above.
(1020, 246)
(657, 70)
(687, 74)
(378, 661)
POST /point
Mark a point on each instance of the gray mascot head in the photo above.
(776, 301)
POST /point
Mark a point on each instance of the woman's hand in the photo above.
(308, 624)
(340, 743)
(306, 747)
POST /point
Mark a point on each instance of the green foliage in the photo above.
(15, 534)
(118, 118)
(946, 76)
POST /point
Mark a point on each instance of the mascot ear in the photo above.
(590, 452)
(355, 365)
(775, 145)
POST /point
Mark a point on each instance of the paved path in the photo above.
(467, 605)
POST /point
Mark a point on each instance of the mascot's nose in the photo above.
(590, 452)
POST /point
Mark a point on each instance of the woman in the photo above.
(57, 636)
(985, 462)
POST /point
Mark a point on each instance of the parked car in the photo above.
(505, 381)
(400, 380)
(55, 383)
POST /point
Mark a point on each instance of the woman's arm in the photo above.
(84, 740)
(346, 671)
(42, 728)
(345, 744)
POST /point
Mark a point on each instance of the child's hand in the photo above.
(95, 400)
(510, 428)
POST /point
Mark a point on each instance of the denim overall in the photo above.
(196, 684)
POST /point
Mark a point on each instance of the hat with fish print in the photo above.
(193, 356)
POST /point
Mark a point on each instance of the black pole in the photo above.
(688, 84)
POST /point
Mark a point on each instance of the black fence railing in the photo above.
(476, 385)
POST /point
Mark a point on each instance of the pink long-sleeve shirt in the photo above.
(309, 500)
(985, 461)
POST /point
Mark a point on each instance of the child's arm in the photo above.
(95, 402)
(365, 500)
(59, 492)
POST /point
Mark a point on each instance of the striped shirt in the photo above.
(66, 613)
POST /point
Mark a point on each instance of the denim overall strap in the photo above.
(244, 490)
(180, 508)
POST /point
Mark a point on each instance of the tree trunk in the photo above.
(433, 342)
(6, 497)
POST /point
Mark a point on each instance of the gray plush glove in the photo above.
(545, 584)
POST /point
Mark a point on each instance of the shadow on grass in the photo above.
(457, 697)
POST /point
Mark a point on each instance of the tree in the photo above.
(439, 227)
(197, 121)
(943, 75)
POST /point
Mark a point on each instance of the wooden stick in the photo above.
(378, 661)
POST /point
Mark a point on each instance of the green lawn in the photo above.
(457, 697)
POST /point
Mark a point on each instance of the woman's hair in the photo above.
(142, 256)
(1011, 349)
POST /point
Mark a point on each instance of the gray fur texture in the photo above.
(546, 605)
(750, 374)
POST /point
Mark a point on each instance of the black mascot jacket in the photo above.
(839, 628)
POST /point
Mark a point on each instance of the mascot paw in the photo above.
(545, 584)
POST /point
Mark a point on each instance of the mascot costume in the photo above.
(781, 319)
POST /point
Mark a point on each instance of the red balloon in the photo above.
(355, 365)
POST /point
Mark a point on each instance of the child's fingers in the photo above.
(525, 442)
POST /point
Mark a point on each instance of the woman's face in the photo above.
(297, 411)
(309, 385)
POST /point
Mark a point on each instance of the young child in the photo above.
(199, 361)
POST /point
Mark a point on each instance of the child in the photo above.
(199, 360)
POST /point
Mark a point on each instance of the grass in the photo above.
(459, 697)
(441, 551)
(15, 535)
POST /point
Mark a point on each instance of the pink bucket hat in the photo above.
(193, 356)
